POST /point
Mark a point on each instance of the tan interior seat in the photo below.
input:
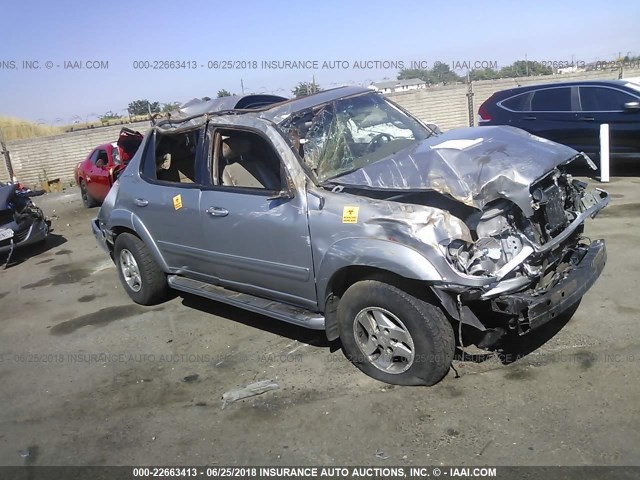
(233, 172)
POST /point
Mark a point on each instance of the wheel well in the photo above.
(347, 276)
(117, 231)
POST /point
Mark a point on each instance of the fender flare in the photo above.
(367, 252)
(119, 218)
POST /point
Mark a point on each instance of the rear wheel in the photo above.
(140, 275)
(87, 200)
(394, 337)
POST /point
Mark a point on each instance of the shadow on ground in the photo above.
(513, 347)
(315, 338)
(21, 254)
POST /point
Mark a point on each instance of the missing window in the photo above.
(247, 160)
(172, 157)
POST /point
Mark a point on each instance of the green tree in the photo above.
(523, 68)
(141, 107)
(439, 73)
(224, 93)
(109, 116)
(484, 74)
(305, 88)
(407, 73)
(170, 107)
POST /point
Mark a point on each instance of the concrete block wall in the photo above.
(48, 158)
(445, 106)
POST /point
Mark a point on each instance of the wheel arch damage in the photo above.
(379, 259)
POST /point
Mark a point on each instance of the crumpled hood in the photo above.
(472, 165)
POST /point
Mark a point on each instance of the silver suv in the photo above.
(341, 212)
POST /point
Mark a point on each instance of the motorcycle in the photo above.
(22, 223)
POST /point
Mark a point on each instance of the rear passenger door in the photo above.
(167, 198)
(547, 112)
(552, 115)
(602, 104)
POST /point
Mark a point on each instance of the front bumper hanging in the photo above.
(534, 310)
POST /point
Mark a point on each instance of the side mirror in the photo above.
(631, 107)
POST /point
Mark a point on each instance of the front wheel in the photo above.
(393, 336)
(140, 275)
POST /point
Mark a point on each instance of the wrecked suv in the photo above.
(341, 212)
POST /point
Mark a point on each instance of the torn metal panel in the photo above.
(474, 166)
(281, 112)
(232, 102)
(534, 309)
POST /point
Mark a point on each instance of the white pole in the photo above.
(604, 153)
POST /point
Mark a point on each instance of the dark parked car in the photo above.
(341, 212)
(571, 113)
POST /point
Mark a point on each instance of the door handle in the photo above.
(217, 211)
(588, 119)
(529, 118)
(141, 202)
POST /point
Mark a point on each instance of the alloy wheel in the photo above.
(384, 340)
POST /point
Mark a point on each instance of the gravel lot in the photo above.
(89, 378)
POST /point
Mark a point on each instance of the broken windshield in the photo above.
(351, 133)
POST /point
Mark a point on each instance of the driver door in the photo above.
(255, 238)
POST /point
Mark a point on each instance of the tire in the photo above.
(87, 200)
(139, 273)
(425, 344)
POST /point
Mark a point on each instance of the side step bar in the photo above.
(271, 308)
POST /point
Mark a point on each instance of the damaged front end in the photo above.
(535, 266)
(493, 211)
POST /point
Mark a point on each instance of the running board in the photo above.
(271, 308)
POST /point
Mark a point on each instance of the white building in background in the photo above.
(398, 85)
(572, 69)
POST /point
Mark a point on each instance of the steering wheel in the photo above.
(376, 141)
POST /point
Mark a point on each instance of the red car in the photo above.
(96, 174)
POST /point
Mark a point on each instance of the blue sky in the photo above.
(122, 32)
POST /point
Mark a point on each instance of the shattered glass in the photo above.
(351, 133)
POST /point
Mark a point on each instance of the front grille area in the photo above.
(20, 235)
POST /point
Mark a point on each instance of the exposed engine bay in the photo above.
(521, 258)
(510, 245)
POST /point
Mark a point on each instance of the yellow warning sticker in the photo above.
(350, 214)
(177, 202)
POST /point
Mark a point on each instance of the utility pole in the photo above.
(7, 158)
(526, 64)
(242, 86)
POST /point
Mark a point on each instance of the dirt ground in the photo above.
(89, 378)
